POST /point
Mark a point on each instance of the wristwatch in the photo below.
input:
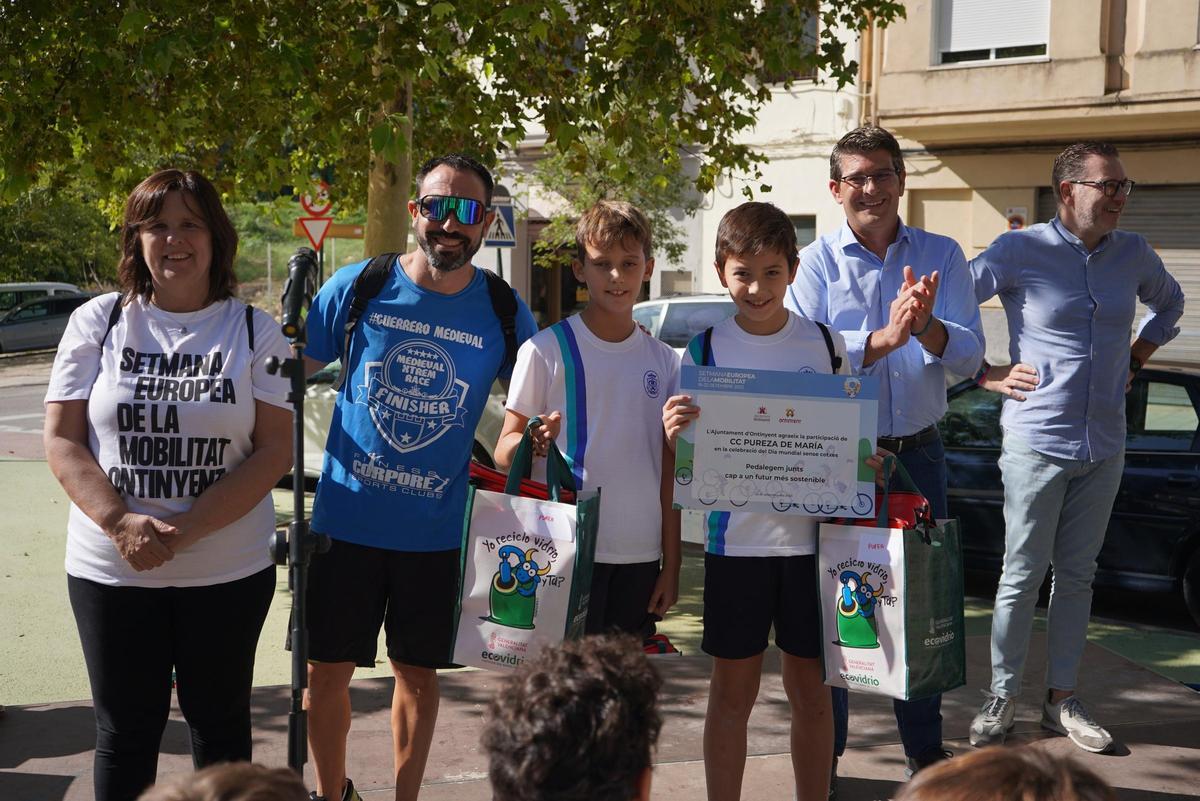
(981, 374)
(1135, 364)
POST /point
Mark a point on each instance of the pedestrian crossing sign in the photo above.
(502, 232)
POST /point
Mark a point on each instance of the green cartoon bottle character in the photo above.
(857, 625)
(513, 598)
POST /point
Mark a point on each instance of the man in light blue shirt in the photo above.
(1069, 288)
(905, 330)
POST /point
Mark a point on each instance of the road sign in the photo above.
(316, 228)
(335, 231)
(318, 206)
(502, 233)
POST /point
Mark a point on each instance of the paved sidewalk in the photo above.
(45, 750)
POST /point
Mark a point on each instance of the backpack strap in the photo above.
(250, 326)
(367, 285)
(370, 282)
(706, 354)
(504, 304)
(835, 361)
(114, 314)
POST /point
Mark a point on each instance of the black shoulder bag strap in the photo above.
(114, 314)
(367, 285)
(835, 361)
(250, 326)
(504, 304)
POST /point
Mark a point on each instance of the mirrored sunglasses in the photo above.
(438, 208)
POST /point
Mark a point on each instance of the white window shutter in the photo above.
(987, 24)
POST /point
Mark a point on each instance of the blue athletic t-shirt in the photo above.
(418, 373)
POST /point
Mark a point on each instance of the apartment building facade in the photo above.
(983, 95)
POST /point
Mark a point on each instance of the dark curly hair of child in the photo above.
(576, 723)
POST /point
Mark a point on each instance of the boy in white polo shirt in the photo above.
(599, 381)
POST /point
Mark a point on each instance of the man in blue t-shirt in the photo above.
(393, 488)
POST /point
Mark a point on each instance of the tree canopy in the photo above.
(260, 94)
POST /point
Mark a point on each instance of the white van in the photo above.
(13, 295)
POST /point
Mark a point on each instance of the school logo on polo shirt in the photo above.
(414, 395)
(650, 382)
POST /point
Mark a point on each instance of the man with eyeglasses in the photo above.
(903, 299)
(419, 364)
(1069, 288)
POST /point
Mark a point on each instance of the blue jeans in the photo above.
(1055, 513)
(919, 722)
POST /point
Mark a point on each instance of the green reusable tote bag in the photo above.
(892, 603)
(527, 561)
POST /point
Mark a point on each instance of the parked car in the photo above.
(38, 323)
(1153, 538)
(676, 319)
(318, 411)
(13, 295)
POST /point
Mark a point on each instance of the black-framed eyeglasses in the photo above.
(1112, 187)
(881, 178)
(438, 208)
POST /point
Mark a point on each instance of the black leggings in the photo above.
(132, 639)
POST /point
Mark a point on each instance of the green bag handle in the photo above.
(893, 466)
(558, 472)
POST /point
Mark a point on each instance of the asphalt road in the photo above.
(23, 380)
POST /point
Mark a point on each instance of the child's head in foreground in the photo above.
(613, 243)
(577, 722)
(756, 261)
(1000, 773)
(233, 781)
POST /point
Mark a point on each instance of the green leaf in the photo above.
(133, 24)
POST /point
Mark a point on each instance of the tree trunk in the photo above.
(389, 187)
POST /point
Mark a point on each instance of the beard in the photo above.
(447, 264)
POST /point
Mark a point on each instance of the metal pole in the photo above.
(268, 269)
(500, 262)
(298, 558)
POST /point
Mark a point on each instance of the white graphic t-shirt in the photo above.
(170, 411)
(611, 396)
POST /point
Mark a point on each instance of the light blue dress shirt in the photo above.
(1070, 314)
(843, 284)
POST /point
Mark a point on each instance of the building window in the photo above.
(984, 30)
(806, 228)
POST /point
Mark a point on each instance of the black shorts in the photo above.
(619, 597)
(745, 595)
(353, 589)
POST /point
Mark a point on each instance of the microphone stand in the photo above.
(296, 547)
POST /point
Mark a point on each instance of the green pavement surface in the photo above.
(41, 661)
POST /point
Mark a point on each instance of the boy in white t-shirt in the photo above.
(760, 569)
(598, 381)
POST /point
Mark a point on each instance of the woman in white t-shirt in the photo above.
(167, 432)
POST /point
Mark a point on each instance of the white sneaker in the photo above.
(1071, 718)
(994, 721)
